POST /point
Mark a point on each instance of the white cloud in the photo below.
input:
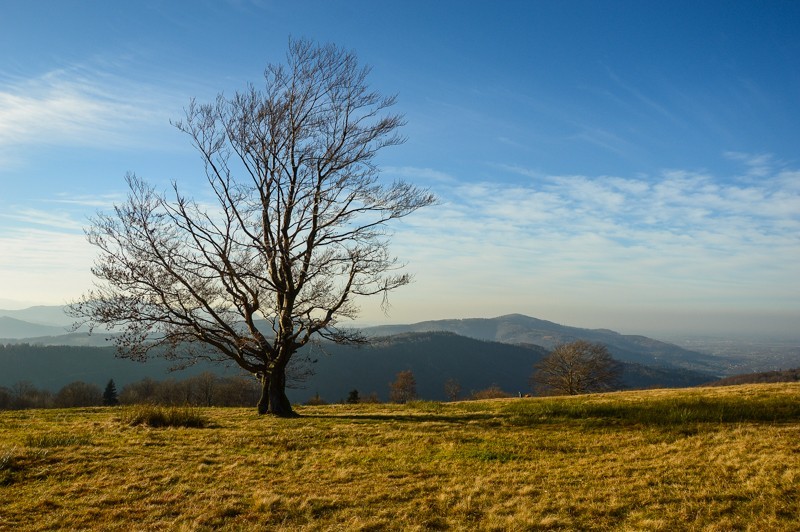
(102, 202)
(79, 106)
(28, 216)
(678, 240)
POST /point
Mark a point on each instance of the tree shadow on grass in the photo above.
(422, 417)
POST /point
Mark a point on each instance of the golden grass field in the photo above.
(696, 459)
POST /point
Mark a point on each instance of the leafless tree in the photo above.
(452, 389)
(203, 387)
(78, 394)
(576, 368)
(492, 392)
(299, 227)
(404, 387)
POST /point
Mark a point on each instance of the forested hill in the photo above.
(435, 357)
(520, 329)
(51, 367)
(432, 357)
(786, 375)
(48, 325)
(15, 328)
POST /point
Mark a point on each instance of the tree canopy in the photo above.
(297, 230)
(575, 368)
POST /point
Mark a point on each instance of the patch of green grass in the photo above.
(692, 407)
(487, 452)
(44, 441)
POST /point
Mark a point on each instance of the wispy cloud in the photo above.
(61, 220)
(417, 175)
(676, 239)
(82, 106)
(104, 201)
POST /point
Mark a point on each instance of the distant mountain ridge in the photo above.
(34, 322)
(520, 329)
(55, 315)
(12, 328)
(785, 375)
(47, 326)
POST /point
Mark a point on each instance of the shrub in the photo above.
(164, 416)
(316, 401)
(44, 441)
(372, 398)
(78, 394)
(493, 392)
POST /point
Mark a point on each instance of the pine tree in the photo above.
(110, 394)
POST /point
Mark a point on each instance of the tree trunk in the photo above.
(273, 395)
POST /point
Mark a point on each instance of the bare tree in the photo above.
(300, 226)
(404, 387)
(203, 387)
(452, 389)
(78, 394)
(492, 392)
(575, 368)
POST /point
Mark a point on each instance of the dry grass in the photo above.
(709, 459)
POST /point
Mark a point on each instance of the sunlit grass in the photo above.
(700, 459)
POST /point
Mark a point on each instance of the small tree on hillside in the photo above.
(78, 394)
(404, 387)
(452, 389)
(110, 394)
(294, 229)
(353, 398)
(492, 392)
(576, 368)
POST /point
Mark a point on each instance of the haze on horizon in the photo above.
(623, 165)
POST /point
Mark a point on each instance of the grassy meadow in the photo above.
(694, 459)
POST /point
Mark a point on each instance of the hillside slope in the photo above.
(433, 357)
(13, 328)
(786, 375)
(519, 329)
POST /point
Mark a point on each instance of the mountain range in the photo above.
(478, 353)
(524, 330)
(14, 329)
(51, 325)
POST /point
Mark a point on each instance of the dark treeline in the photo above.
(784, 375)
(205, 389)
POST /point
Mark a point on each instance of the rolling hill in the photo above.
(15, 329)
(434, 358)
(519, 329)
(479, 353)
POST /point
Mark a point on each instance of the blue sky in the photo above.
(630, 165)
